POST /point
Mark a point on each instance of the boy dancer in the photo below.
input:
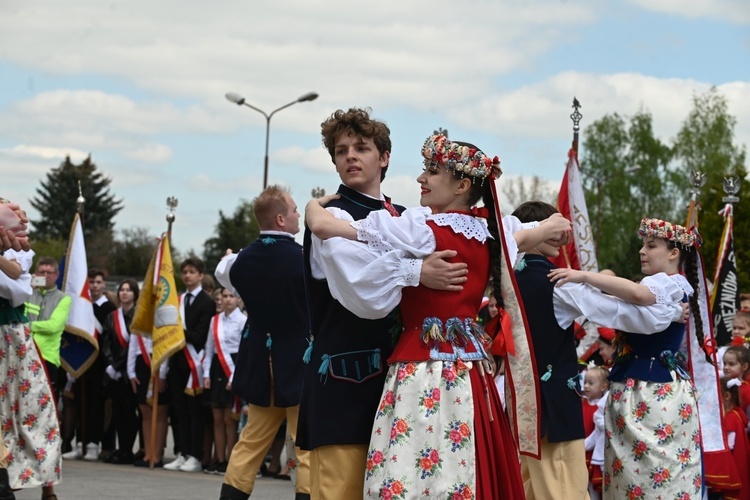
(345, 375)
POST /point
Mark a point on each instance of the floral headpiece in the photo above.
(471, 162)
(657, 228)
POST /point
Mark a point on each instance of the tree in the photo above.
(519, 189)
(705, 143)
(235, 232)
(626, 175)
(131, 254)
(56, 199)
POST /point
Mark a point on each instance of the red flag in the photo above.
(580, 253)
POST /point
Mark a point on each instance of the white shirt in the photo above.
(19, 290)
(231, 334)
(368, 279)
(580, 299)
(134, 350)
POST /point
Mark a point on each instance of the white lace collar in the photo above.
(467, 225)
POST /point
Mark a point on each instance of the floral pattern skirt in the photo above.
(27, 412)
(440, 432)
(653, 441)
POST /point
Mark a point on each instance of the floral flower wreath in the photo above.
(657, 228)
(439, 151)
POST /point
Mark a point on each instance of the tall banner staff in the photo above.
(581, 252)
(79, 346)
(717, 458)
(725, 296)
(157, 314)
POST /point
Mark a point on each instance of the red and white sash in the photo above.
(121, 329)
(217, 330)
(144, 352)
(194, 358)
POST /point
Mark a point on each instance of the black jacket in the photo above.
(340, 408)
(554, 347)
(269, 276)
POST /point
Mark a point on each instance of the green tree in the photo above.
(55, 201)
(626, 175)
(235, 232)
(706, 143)
(132, 252)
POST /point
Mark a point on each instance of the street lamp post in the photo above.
(239, 100)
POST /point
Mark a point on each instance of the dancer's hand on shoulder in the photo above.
(563, 275)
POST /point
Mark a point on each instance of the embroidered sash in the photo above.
(121, 329)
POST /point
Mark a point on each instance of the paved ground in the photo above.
(94, 480)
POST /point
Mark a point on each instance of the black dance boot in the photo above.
(302, 496)
(5, 492)
(229, 492)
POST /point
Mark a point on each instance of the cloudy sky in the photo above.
(140, 86)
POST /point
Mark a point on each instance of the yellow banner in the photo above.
(157, 311)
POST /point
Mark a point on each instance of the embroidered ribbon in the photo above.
(676, 362)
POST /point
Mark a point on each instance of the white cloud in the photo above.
(317, 160)
(150, 153)
(45, 152)
(734, 11)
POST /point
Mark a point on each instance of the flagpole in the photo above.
(697, 180)
(171, 205)
(576, 118)
(80, 203)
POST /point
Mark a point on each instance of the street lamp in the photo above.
(240, 101)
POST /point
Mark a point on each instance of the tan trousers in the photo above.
(561, 474)
(248, 454)
(337, 472)
(3, 453)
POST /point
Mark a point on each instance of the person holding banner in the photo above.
(218, 368)
(648, 448)
(115, 343)
(31, 432)
(138, 369)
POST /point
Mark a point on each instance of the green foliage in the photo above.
(705, 143)
(235, 232)
(55, 201)
(628, 173)
(132, 252)
(51, 247)
(626, 176)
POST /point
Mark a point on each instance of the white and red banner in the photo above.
(79, 346)
(581, 252)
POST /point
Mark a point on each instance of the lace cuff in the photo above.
(411, 270)
(667, 289)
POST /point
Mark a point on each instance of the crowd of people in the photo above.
(394, 354)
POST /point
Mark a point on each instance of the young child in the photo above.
(741, 328)
(735, 423)
(737, 365)
(595, 388)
